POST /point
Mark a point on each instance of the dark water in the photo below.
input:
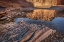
(28, 20)
(59, 22)
(54, 17)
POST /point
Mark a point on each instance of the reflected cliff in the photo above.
(51, 18)
(45, 15)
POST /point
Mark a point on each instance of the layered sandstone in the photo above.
(23, 32)
(45, 3)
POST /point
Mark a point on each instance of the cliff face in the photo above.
(31, 3)
(45, 3)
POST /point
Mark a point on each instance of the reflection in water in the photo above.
(45, 15)
(49, 15)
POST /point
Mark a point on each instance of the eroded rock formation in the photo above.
(15, 3)
(27, 3)
(45, 3)
(23, 32)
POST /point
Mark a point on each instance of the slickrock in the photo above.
(46, 34)
(22, 32)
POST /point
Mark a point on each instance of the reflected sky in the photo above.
(59, 22)
(18, 20)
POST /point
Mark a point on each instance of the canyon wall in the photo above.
(45, 3)
(31, 3)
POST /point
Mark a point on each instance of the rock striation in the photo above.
(45, 3)
(23, 32)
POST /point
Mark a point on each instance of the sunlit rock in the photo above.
(45, 3)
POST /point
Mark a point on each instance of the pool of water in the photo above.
(59, 22)
(54, 17)
(27, 20)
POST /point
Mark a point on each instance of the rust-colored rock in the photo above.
(45, 3)
(31, 3)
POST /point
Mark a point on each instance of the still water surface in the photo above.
(56, 18)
